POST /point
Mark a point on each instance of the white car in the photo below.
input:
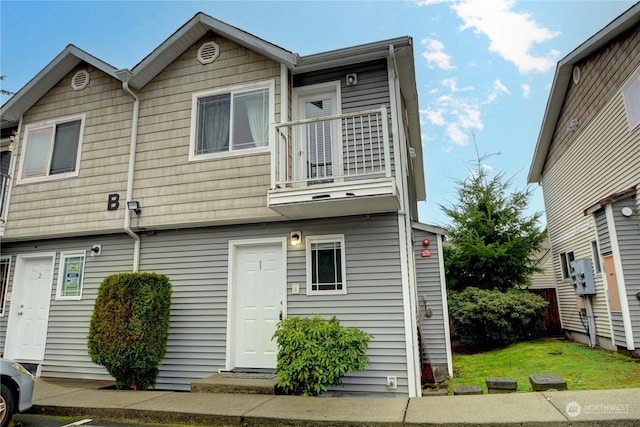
(17, 390)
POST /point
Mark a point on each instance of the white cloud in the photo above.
(435, 55)
(452, 84)
(435, 117)
(456, 135)
(526, 90)
(485, 167)
(430, 2)
(459, 115)
(497, 90)
(511, 34)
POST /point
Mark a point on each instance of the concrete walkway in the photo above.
(561, 408)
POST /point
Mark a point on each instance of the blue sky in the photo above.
(484, 68)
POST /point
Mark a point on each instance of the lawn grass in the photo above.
(582, 367)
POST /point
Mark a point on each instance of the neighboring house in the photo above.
(264, 184)
(543, 283)
(587, 160)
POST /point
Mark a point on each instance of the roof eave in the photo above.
(46, 79)
(621, 24)
(190, 33)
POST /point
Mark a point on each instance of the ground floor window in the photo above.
(70, 275)
(565, 263)
(326, 265)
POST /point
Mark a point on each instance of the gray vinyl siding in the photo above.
(628, 233)
(604, 240)
(429, 285)
(66, 354)
(618, 329)
(196, 262)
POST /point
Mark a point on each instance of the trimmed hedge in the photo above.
(486, 319)
(315, 353)
(130, 327)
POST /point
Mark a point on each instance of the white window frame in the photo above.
(50, 124)
(3, 295)
(63, 257)
(565, 264)
(329, 238)
(266, 84)
(630, 91)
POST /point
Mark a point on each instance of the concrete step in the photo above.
(240, 382)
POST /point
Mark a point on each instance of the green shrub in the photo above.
(487, 319)
(130, 326)
(315, 353)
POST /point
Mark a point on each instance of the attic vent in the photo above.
(208, 52)
(80, 80)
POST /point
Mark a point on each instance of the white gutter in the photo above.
(13, 166)
(126, 74)
(406, 244)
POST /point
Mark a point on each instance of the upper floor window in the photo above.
(71, 274)
(631, 95)
(231, 120)
(52, 149)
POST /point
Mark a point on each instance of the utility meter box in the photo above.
(582, 277)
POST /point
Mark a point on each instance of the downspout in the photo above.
(406, 242)
(125, 75)
(13, 167)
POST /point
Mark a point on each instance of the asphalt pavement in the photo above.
(619, 407)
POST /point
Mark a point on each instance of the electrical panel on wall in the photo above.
(582, 277)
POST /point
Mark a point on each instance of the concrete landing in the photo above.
(231, 382)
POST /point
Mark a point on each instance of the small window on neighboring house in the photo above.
(70, 275)
(596, 256)
(631, 94)
(51, 150)
(565, 263)
(230, 121)
(5, 264)
(326, 265)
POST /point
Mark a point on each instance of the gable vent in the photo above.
(80, 80)
(208, 52)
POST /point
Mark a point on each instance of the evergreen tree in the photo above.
(492, 241)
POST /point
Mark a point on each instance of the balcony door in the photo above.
(319, 147)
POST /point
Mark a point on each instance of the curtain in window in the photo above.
(213, 124)
(65, 147)
(37, 152)
(256, 106)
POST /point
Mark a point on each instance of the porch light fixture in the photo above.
(296, 238)
(134, 205)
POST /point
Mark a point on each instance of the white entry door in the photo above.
(29, 313)
(259, 292)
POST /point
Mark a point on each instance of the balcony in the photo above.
(333, 166)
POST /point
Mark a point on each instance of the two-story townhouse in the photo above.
(587, 160)
(263, 183)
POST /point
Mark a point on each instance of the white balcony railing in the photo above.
(333, 149)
